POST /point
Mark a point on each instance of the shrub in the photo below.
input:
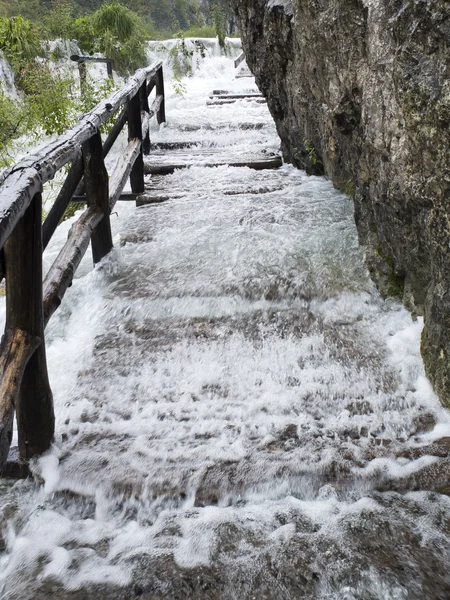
(19, 40)
(207, 31)
(11, 118)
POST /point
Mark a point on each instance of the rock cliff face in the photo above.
(360, 90)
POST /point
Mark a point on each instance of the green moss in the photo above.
(349, 188)
(395, 286)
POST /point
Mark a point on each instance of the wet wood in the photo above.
(175, 145)
(56, 212)
(161, 115)
(115, 132)
(16, 348)
(146, 109)
(145, 199)
(257, 99)
(167, 164)
(24, 311)
(61, 273)
(16, 194)
(227, 96)
(135, 133)
(122, 171)
(239, 60)
(97, 195)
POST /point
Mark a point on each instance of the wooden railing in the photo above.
(30, 300)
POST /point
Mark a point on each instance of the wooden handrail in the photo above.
(30, 302)
(21, 182)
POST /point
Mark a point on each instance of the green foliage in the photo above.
(219, 25)
(19, 40)
(83, 31)
(58, 23)
(180, 58)
(312, 155)
(10, 127)
(349, 188)
(179, 87)
(114, 31)
(205, 31)
(48, 98)
(116, 20)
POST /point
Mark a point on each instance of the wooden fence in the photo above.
(30, 300)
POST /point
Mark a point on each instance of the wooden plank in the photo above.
(15, 197)
(161, 115)
(258, 100)
(174, 145)
(97, 195)
(239, 60)
(122, 171)
(146, 108)
(65, 194)
(24, 310)
(61, 273)
(16, 349)
(115, 132)
(236, 96)
(135, 132)
(258, 164)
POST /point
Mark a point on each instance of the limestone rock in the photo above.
(360, 90)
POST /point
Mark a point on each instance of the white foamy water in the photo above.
(233, 398)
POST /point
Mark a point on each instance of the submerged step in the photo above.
(167, 164)
(258, 99)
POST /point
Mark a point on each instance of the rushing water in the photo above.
(239, 413)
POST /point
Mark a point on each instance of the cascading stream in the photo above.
(239, 413)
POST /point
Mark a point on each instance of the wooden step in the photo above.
(166, 163)
(258, 99)
(231, 126)
(227, 96)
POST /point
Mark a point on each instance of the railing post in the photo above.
(161, 115)
(96, 184)
(146, 144)
(24, 311)
(135, 131)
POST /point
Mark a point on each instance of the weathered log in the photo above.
(115, 132)
(61, 273)
(258, 164)
(16, 348)
(72, 183)
(146, 109)
(122, 171)
(97, 195)
(161, 115)
(23, 254)
(239, 60)
(135, 132)
(244, 96)
(15, 197)
(257, 99)
(56, 212)
(156, 106)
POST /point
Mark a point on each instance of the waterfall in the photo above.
(7, 77)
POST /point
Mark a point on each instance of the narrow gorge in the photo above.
(360, 92)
